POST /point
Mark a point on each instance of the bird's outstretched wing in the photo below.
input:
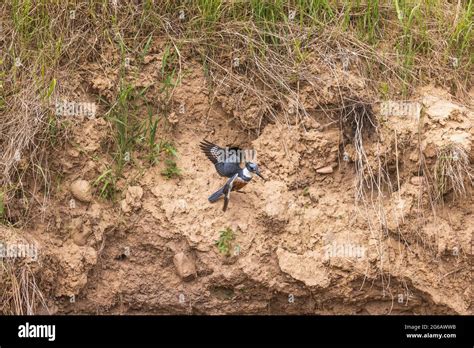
(226, 160)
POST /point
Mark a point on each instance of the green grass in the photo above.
(209, 11)
(407, 14)
(45, 28)
(124, 118)
(461, 39)
(313, 12)
(150, 134)
(169, 74)
(105, 184)
(364, 18)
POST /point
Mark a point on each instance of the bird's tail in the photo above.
(226, 201)
(216, 195)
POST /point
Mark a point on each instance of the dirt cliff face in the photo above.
(344, 224)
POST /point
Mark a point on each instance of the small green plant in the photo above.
(169, 149)
(168, 73)
(146, 48)
(384, 90)
(171, 171)
(150, 134)
(105, 184)
(50, 90)
(224, 243)
(53, 129)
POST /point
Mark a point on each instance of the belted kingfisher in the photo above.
(227, 162)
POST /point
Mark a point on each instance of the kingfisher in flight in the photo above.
(228, 164)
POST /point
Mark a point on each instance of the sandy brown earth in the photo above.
(303, 241)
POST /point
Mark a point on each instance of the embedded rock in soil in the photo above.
(132, 199)
(325, 170)
(184, 266)
(81, 190)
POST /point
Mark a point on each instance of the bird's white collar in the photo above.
(246, 173)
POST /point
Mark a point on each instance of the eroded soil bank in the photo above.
(306, 241)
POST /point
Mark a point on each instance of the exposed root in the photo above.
(452, 172)
(19, 293)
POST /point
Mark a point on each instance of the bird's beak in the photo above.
(260, 175)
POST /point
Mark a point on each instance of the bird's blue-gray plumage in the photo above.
(224, 191)
(227, 163)
(216, 195)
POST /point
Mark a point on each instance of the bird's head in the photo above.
(253, 168)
